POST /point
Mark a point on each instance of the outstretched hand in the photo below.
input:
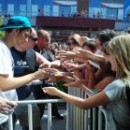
(67, 54)
(51, 91)
(76, 83)
(39, 74)
(53, 74)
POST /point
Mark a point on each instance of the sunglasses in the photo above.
(34, 39)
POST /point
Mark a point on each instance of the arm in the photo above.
(104, 82)
(91, 56)
(56, 63)
(90, 75)
(67, 54)
(41, 60)
(93, 101)
(81, 53)
(8, 83)
(56, 75)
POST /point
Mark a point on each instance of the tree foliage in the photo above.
(1, 23)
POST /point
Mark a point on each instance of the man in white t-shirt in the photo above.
(17, 31)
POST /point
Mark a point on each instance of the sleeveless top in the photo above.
(24, 63)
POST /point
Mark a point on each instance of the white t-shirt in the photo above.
(6, 67)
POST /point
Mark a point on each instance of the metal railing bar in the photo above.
(94, 119)
(49, 117)
(10, 122)
(39, 101)
(67, 118)
(30, 117)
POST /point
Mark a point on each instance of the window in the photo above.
(46, 10)
(65, 10)
(22, 9)
(55, 10)
(10, 9)
(34, 10)
(73, 10)
(120, 14)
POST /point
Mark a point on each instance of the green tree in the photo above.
(1, 23)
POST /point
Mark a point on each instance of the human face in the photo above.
(110, 58)
(98, 44)
(32, 41)
(22, 36)
(72, 43)
(43, 42)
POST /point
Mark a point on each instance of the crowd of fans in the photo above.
(100, 66)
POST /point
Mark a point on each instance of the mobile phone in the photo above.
(52, 72)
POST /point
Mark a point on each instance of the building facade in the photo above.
(31, 8)
(102, 9)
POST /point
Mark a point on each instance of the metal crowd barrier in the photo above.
(91, 119)
(30, 114)
(76, 119)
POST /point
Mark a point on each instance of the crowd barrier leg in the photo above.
(10, 122)
(30, 117)
(49, 116)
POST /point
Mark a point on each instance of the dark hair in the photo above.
(106, 35)
(20, 29)
(91, 44)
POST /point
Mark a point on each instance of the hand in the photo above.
(69, 65)
(40, 74)
(66, 54)
(44, 65)
(76, 83)
(6, 106)
(83, 54)
(51, 91)
(54, 74)
(54, 79)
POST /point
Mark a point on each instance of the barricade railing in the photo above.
(30, 114)
(76, 119)
(91, 119)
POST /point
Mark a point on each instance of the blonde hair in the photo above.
(119, 47)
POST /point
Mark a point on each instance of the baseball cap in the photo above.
(17, 22)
